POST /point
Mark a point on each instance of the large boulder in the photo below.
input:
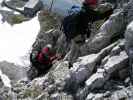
(113, 27)
(124, 93)
(129, 39)
(44, 38)
(84, 67)
(105, 71)
(16, 3)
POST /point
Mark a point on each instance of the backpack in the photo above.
(69, 23)
(74, 10)
(33, 58)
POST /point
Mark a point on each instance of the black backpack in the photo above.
(69, 26)
(76, 23)
(69, 23)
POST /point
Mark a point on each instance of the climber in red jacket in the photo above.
(45, 56)
(42, 61)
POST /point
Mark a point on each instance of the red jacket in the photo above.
(45, 56)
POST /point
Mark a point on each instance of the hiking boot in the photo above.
(79, 39)
(32, 73)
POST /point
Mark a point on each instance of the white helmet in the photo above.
(49, 46)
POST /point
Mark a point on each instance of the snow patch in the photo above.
(16, 41)
(5, 80)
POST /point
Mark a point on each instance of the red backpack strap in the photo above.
(40, 57)
(45, 50)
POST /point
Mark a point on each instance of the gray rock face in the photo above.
(113, 27)
(129, 46)
(125, 93)
(16, 3)
(63, 47)
(32, 7)
(43, 38)
(129, 39)
(104, 72)
(85, 65)
(61, 96)
(60, 72)
(118, 3)
(109, 29)
(83, 69)
(14, 72)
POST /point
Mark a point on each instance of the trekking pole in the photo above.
(51, 5)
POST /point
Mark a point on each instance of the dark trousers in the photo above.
(37, 69)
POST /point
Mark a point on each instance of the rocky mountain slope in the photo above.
(100, 69)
